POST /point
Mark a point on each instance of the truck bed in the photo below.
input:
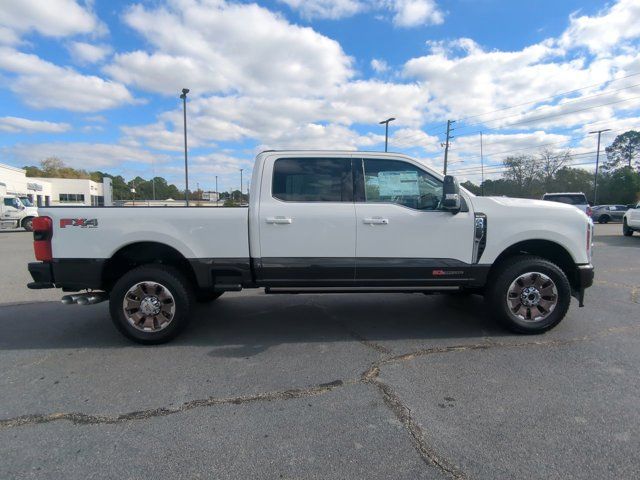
(195, 232)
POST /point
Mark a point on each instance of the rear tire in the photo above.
(27, 224)
(151, 304)
(626, 231)
(529, 294)
(604, 219)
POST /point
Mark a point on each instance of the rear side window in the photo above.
(313, 180)
(577, 199)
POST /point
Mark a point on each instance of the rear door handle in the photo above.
(279, 220)
(376, 221)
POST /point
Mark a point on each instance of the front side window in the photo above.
(313, 180)
(393, 181)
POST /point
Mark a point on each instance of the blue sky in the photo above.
(96, 83)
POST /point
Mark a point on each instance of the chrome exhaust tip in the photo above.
(84, 298)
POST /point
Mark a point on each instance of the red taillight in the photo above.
(42, 233)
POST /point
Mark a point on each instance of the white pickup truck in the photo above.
(320, 222)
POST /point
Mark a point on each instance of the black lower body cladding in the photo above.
(69, 274)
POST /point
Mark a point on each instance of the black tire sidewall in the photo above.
(626, 231)
(27, 224)
(512, 270)
(171, 279)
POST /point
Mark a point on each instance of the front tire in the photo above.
(529, 294)
(604, 219)
(626, 231)
(151, 304)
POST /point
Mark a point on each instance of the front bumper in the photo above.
(584, 279)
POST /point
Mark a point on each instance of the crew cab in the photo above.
(320, 222)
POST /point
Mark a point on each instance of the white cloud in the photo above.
(52, 18)
(208, 47)
(608, 29)
(42, 84)
(412, 13)
(331, 9)
(19, 125)
(89, 53)
(379, 66)
(82, 155)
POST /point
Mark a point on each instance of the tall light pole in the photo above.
(241, 185)
(186, 165)
(386, 131)
(481, 166)
(595, 178)
(217, 193)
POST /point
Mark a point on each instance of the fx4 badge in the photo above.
(79, 222)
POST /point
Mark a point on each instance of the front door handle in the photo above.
(376, 221)
(279, 220)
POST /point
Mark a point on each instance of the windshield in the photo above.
(26, 202)
(571, 199)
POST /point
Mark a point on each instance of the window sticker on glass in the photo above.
(402, 183)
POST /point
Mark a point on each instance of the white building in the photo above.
(17, 183)
(55, 191)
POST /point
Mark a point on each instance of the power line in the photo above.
(579, 99)
(465, 170)
(561, 94)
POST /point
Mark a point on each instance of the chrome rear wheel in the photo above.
(149, 306)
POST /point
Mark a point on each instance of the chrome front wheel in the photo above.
(532, 297)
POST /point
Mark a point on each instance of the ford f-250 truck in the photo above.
(320, 222)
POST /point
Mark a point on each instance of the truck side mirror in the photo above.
(451, 194)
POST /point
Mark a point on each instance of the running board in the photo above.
(297, 290)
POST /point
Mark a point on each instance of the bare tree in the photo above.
(550, 161)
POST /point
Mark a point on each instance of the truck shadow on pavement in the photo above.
(243, 325)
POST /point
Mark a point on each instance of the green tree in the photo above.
(624, 151)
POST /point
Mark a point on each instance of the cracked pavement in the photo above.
(323, 386)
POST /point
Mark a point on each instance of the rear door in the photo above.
(306, 222)
(403, 236)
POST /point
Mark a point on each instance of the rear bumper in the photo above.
(68, 274)
(42, 275)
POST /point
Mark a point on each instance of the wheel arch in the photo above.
(140, 253)
(547, 249)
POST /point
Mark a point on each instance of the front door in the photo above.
(307, 222)
(403, 235)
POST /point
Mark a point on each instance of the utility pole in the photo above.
(595, 178)
(241, 185)
(186, 166)
(481, 166)
(446, 145)
(386, 131)
(217, 193)
(153, 179)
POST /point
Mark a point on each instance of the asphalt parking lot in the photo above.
(311, 386)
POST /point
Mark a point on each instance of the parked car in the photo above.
(320, 222)
(631, 221)
(577, 199)
(14, 214)
(608, 213)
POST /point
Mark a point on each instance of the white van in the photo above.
(14, 214)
